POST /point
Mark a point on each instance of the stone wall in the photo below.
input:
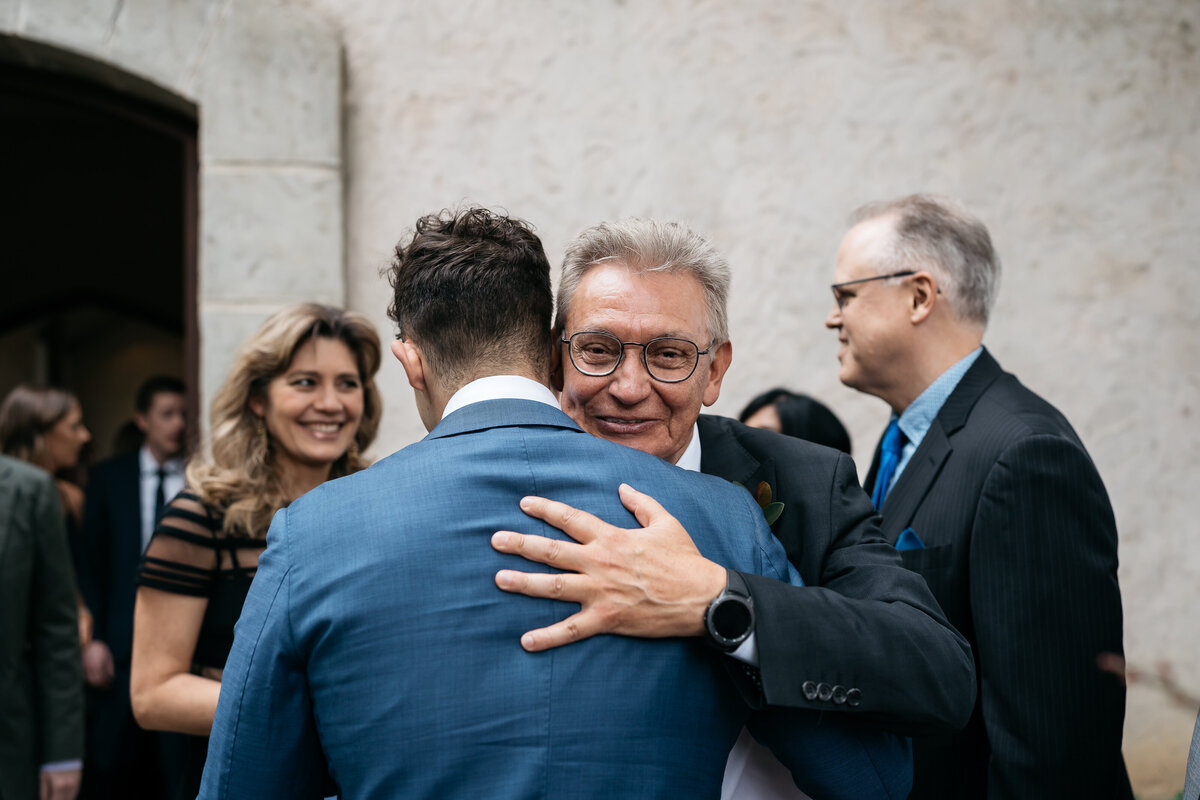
(1070, 128)
(266, 80)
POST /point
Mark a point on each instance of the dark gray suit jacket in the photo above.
(1021, 552)
(864, 635)
(41, 676)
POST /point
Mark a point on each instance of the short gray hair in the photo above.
(941, 236)
(647, 246)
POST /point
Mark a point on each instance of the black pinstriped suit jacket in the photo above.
(1021, 553)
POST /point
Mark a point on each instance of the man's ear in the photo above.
(556, 363)
(413, 361)
(716, 373)
(924, 295)
(139, 419)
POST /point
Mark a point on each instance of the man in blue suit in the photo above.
(374, 639)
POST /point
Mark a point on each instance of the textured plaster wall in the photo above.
(1071, 128)
(266, 78)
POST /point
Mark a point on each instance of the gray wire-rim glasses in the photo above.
(840, 298)
(666, 358)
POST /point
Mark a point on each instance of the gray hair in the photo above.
(644, 245)
(941, 236)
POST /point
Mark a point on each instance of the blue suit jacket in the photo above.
(374, 637)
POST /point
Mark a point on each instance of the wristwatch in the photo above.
(729, 618)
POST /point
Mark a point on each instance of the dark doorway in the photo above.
(99, 247)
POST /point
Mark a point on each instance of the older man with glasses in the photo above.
(988, 492)
(864, 636)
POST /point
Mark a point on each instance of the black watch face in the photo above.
(731, 620)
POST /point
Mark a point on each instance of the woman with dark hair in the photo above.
(44, 426)
(297, 409)
(796, 415)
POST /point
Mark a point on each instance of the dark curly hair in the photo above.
(472, 288)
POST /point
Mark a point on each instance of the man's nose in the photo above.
(630, 382)
(834, 320)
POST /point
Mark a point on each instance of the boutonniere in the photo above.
(762, 495)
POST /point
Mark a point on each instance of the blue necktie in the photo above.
(889, 457)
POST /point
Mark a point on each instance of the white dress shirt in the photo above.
(751, 772)
(148, 487)
(499, 387)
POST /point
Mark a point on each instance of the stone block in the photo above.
(269, 235)
(9, 12)
(163, 39)
(269, 84)
(81, 26)
(222, 332)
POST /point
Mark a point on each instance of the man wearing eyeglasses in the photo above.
(988, 493)
(643, 347)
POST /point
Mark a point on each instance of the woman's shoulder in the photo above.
(188, 516)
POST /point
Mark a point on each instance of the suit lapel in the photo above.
(721, 454)
(914, 483)
(128, 501)
(926, 463)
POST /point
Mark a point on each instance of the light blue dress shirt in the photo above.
(916, 419)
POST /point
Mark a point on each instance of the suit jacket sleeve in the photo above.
(829, 755)
(95, 564)
(264, 741)
(1045, 603)
(54, 634)
(865, 624)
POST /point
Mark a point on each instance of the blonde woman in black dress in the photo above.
(297, 409)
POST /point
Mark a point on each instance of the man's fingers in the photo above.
(579, 525)
(644, 507)
(544, 550)
(572, 629)
(565, 586)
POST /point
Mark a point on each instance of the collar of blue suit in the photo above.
(499, 401)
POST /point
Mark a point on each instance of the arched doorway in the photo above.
(100, 204)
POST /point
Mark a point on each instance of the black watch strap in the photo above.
(729, 618)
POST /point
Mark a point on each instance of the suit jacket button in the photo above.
(810, 690)
(839, 695)
(824, 692)
(854, 698)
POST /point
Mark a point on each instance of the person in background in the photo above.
(989, 494)
(796, 415)
(297, 409)
(44, 426)
(125, 496)
(41, 682)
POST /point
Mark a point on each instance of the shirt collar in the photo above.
(690, 460)
(916, 419)
(147, 463)
(499, 387)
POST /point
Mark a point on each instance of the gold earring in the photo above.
(260, 429)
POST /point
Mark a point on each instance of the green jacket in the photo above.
(41, 675)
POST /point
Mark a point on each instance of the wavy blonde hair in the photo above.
(241, 480)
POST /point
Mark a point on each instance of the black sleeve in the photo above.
(868, 638)
(94, 567)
